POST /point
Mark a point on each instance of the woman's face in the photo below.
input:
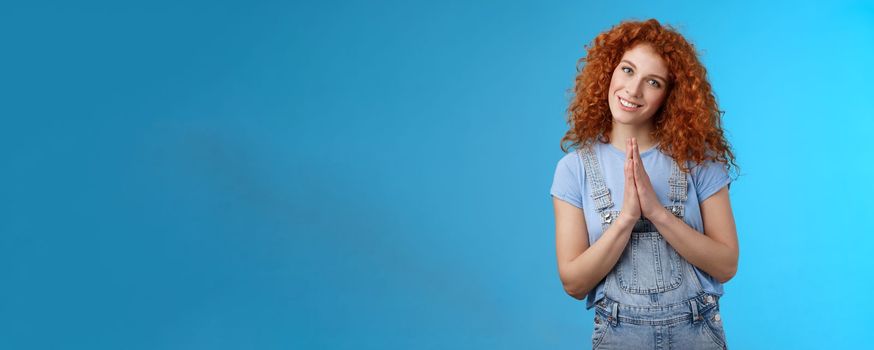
(640, 79)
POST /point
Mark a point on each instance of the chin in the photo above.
(623, 117)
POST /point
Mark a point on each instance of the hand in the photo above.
(649, 201)
(630, 211)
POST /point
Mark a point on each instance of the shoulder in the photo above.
(571, 157)
(571, 163)
(706, 167)
(708, 177)
(708, 164)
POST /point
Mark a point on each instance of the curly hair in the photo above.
(687, 125)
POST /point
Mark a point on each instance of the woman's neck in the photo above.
(621, 132)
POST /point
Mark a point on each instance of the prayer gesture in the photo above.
(640, 197)
(630, 203)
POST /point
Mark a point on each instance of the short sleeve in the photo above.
(710, 177)
(566, 183)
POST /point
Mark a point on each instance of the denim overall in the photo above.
(652, 297)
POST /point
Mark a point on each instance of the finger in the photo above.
(641, 179)
(637, 159)
(639, 173)
(636, 150)
(628, 148)
(629, 169)
(629, 175)
(629, 163)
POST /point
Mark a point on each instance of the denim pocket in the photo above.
(648, 265)
(713, 325)
(600, 329)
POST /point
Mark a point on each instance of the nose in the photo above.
(633, 88)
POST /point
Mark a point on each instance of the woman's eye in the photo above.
(655, 83)
(626, 71)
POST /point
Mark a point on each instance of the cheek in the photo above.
(658, 100)
(615, 81)
(612, 86)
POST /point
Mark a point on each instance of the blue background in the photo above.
(375, 175)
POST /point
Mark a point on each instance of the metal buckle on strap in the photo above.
(677, 210)
(601, 198)
(606, 216)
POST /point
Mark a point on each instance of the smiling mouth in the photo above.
(626, 104)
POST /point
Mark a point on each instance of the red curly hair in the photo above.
(687, 126)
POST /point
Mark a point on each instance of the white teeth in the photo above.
(627, 104)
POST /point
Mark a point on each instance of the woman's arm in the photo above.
(581, 267)
(716, 251)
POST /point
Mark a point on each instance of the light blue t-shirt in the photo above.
(569, 184)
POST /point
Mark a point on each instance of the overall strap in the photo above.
(678, 189)
(600, 193)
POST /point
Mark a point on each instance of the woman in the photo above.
(653, 264)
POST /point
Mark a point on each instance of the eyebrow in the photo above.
(635, 67)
